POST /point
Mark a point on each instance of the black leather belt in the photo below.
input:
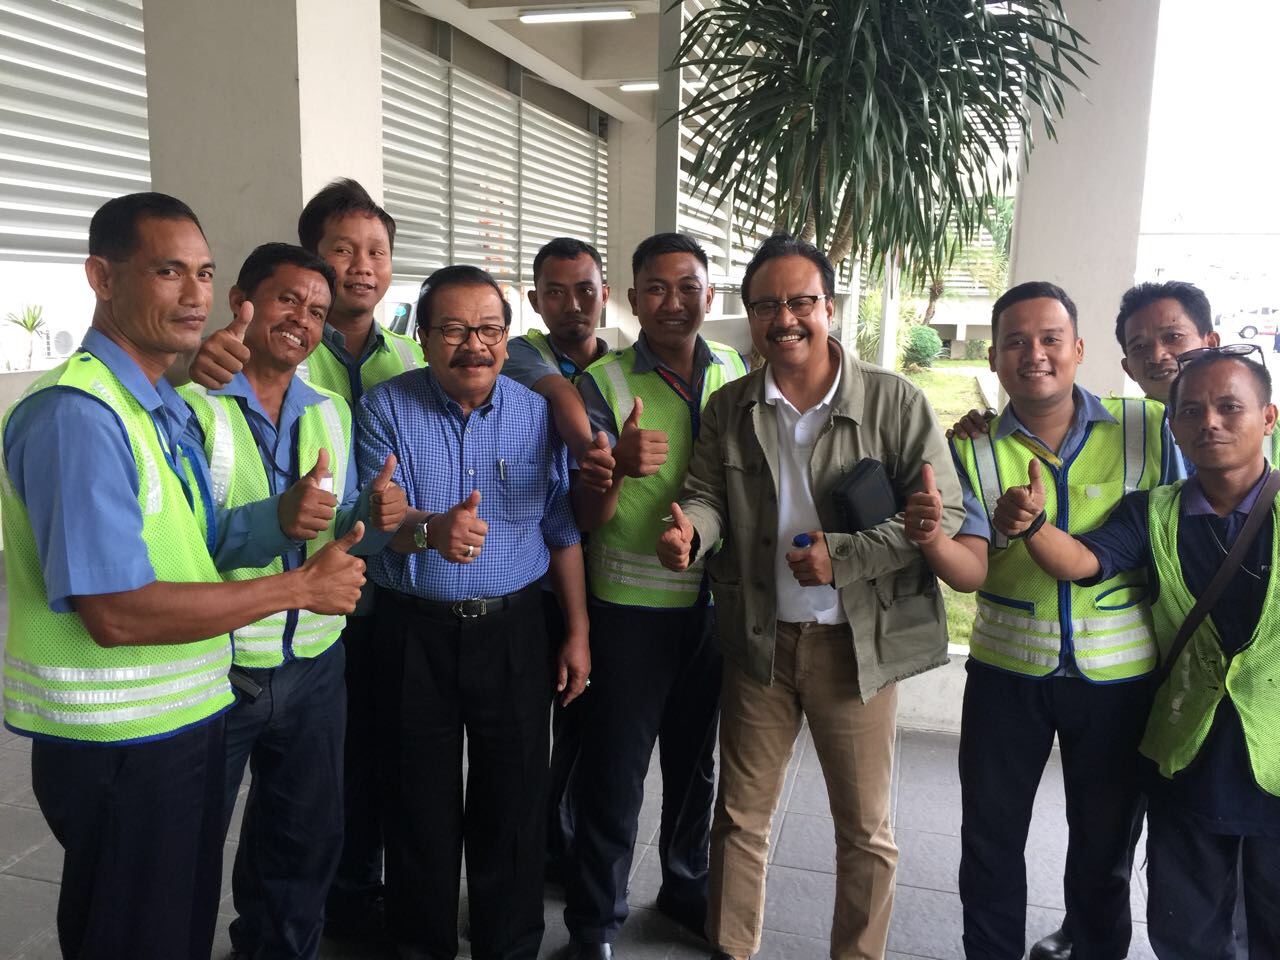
(471, 608)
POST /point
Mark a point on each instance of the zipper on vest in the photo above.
(1064, 523)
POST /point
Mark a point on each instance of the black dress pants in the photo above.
(655, 677)
(141, 826)
(490, 679)
(1007, 731)
(291, 836)
(566, 739)
(359, 876)
(1193, 880)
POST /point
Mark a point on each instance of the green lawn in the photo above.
(961, 609)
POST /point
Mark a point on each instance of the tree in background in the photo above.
(879, 128)
(30, 319)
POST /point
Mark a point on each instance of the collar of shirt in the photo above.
(336, 341)
(494, 401)
(1089, 409)
(169, 410)
(772, 395)
(566, 363)
(297, 398)
(1196, 504)
(647, 361)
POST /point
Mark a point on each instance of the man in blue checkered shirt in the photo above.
(480, 460)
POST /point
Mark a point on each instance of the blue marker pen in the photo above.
(802, 540)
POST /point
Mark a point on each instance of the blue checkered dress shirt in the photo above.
(506, 449)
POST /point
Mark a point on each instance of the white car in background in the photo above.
(1259, 321)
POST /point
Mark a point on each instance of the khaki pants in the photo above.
(815, 677)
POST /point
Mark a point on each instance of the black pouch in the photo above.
(864, 497)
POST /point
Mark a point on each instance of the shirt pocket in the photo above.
(523, 487)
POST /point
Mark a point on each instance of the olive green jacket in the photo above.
(889, 594)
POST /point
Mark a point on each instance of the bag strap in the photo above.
(1235, 556)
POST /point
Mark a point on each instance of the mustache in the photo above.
(470, 360)
(787, 331)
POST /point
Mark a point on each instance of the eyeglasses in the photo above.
(1230, 350)
(456, 334)
(800, 307)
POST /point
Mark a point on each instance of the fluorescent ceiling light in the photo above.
(576, 14)
(639, 86)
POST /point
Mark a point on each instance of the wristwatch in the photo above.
(420, 533)
(1036, 524)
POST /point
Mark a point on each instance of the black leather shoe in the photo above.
(1056, 946)
(589, 951)
(692, 915)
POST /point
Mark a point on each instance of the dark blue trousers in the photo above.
(1192, 890)
(655, 678)
(566, 739)
(141, 826)
(291, 836)
(359, 876)
(1007, 730)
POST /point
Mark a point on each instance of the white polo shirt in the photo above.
(797, 513)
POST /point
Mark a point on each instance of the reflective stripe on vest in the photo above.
(240, 478)
(1186, 703)
(1026, 622)
(58, 681)
(622, 566)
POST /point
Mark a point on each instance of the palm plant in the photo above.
(30, 319)
(877, 127)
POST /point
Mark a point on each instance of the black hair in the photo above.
(266, 259)
(341, 197)
(566, 248)
(457, 275)
(113, 231)
(1261, 375)
(785, 245)
(661, 243)
(1193, 300)
(1033, 290)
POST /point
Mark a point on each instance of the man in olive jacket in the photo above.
(821, 631)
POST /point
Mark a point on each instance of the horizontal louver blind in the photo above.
(486, 174)
(73, 121)
(559, 183)
(415, 156)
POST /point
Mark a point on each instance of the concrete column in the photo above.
(256, 104)
(632, 198)
(1079, 206)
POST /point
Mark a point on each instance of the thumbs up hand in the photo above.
(458, 534)
(1018, 506)
(308, 507)
(387, 501)
(922, 518)
(596, 465)
(332, 578)
(676, 542)
(224, 354)
(639, 453)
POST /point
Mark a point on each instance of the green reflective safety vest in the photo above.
(1203, 674)
(396, 354)
(542, 343)
(58, 681)
(622, 565)
(239, 477)
(1027, 623)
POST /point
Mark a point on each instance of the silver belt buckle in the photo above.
(462, 609)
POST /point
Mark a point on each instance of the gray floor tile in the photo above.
(650, 817)
(926, 923)
(15, 776)
(807, 842)
(646, 876)
(43, 947)
(790, 946)
(27, 911)
(930, 861)
(809, 794)
(799, 901)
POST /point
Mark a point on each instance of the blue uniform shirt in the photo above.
(278, 450)
(507, 449)
(70, 462)
(1217, 790)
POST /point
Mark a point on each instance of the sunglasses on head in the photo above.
(1230, 350)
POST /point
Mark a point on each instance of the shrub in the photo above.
(923, 346)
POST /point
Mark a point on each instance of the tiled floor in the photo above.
(926, 920)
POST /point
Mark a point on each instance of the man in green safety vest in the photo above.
(119, 622)
(1048, 658)
(655, 667)
(262, 431)
(356, 237)
(1211, 740)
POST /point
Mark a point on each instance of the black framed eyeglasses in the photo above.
(800, 307)
(1230, 350)
(456, 334)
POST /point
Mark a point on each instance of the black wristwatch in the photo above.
(1036, 524)
(421, 533)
